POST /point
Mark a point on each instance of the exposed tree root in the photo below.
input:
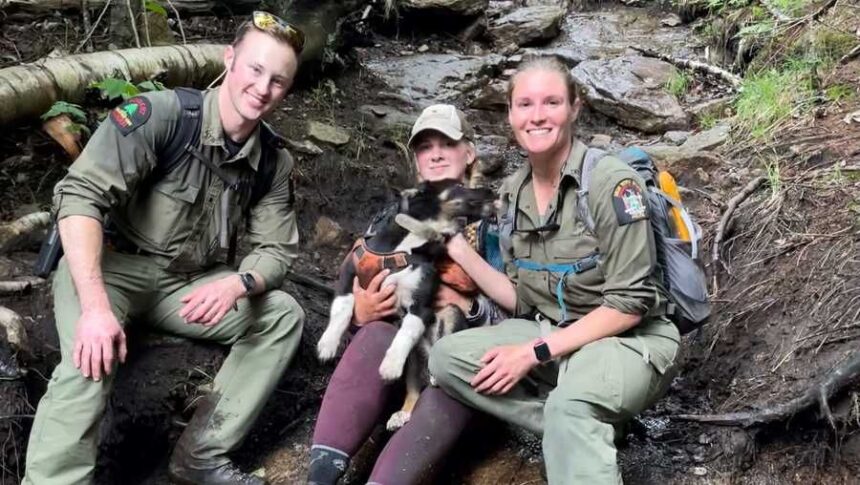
(13, 232)
(819, 393)
(730, 78)
(727, 216)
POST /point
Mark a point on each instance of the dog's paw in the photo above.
(397, 420)
(390, 369)
(327, 346)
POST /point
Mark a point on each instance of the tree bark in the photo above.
(27, 91)
(188, 7)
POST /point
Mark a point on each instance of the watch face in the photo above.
(542, 352)
(248, 282)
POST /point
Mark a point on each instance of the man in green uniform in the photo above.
(167, 263)
(576, 401)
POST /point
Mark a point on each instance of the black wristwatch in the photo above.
(248, 282)
(542, 353)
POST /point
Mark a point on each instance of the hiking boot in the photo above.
(226, 474)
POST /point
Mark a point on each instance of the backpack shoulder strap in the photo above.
(187, 130)
(271, 142)
(592, 157)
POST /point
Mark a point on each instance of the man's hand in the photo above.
(373, 303)
(96, 333)
(503, 367)
(446, 295)
(208, 304)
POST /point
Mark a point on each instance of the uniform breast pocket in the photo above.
(584, 286)
(166, 214)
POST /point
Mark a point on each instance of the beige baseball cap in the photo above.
(445, 119)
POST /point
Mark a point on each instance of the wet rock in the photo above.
(430, 78)
(493, 97)
(607, 33)
(491, 153)
(305, 146)
(498, 9)
(327, 233)
(630, 90)
(600, 141)
(324, 133)
(676, 137)
(547, 3)
(424, 48)
(474, 30)
(716, 108)
(708, 139)
(461, 7)
(383, 117)
(671, 20)
(527, 26)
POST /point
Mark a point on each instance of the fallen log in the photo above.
(27, 91)
(188, 7)
(12, 233)
(721, 73)
(20, 285)
(820, 393)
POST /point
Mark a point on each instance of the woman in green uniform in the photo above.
(591, 345)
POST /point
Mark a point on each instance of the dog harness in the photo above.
(369, 263)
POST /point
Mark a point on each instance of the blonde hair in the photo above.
(277, 34)
(544, 63)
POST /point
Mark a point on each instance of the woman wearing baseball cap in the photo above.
(357, 398)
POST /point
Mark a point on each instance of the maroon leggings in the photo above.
(356, 399)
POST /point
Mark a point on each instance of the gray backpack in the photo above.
(683, 276)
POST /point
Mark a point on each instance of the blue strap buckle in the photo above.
(563, 269)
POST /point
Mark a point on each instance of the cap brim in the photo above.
(451, 133)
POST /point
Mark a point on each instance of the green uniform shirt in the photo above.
(177, 218)
(626, 277)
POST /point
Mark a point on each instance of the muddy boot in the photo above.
(195, 463)
(327, 465)
(183, 472)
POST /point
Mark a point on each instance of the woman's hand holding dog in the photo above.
(504, 366)
(373, 303)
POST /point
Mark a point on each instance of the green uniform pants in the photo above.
(263, 334)
(577, 403)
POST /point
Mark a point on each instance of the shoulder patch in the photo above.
(131, 114)
(628, 202)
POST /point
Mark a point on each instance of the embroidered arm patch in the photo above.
(131, 114)
(628, 202)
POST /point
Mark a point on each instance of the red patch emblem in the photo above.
(133, 113)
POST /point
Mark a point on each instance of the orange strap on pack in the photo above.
(667, 184)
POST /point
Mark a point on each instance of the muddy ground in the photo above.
(786, 298)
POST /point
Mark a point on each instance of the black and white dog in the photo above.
(432, 212)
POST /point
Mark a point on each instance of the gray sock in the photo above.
(327, 465)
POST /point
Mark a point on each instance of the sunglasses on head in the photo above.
(276, 25)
